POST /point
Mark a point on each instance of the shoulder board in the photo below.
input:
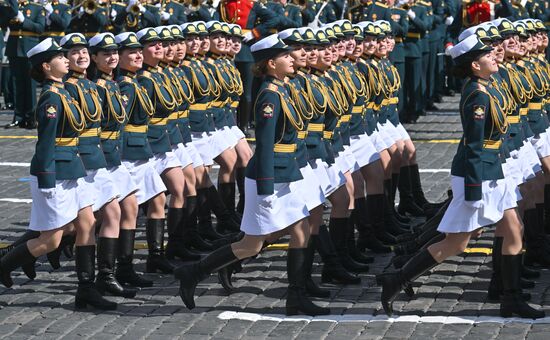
(187, 63)
(101, 82)
(126, 79)
(145, 74)
(381, 5)
(119, 3)
(73, 81)
(53, 89)
(482, 88)
(210, 61)
(520, 63)
(273, 87)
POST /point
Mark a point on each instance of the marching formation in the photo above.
(134, 121)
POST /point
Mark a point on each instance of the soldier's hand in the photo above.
(411, 14)
(49, 9)
(248, 36)
(448, 50)
(48, 192)
(20, 17)
(164, 15)
(142, 8)
(113, 14)
(449, 20)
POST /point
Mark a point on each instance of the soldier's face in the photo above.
(370, 44)
(358, 51)
(57, 67)
(498, 51)
(205, 45)
(106, 61)
(193, 44)
(217, 43)
(236, 45)
(325, 57)
(544, 40)
(350, 45)
(300, 56)
(153, 52)
(181, 48)
(342, 48)
(79, 58)
(282, 65)
(390, 41)
(131, 59)
(169, 50)
(228, 45)
(334, 52)
(485, 66)
(312, 55)
(382, 48)
(510, 46)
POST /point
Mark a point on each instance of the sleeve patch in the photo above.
(479, 112)
(51, 111)
(267, 110)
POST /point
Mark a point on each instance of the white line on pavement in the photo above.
(15, 164)
(16, 200)
(449, 320)
(434, 170)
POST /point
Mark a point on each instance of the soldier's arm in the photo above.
(291, 21)
(178, 19)
(10, 11)
(474, 134)
(401, 26)
(308, 14)
(63, 18)
(204, 14)
(151, 17)
(266, 112)
(128, 94)
(505, 10)
(100, 16)
(37, 25)
(419, 20)
(438, 13)
(268, 20)
(45, 145)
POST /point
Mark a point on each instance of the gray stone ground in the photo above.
(43, 308)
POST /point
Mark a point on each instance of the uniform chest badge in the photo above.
(124, 99)
(28, 12)
(374, 16)
(267, 110)
(396, 17)
(479, 112)
(51, 111)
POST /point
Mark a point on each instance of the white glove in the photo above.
(142, 8)
(523, 3)
(402, 2)
(113, 14)
(449, 20)
(215, 3)
(132, 2)
(248, 36)
(80, 11)
(164, 16)
(47, 192)
(411, 14)
(158, 5)
(49, 9)
(448, 50)
(20, 17)
(474, 204)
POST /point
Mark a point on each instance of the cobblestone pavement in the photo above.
(451, 303)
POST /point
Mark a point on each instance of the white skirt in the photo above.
(540, 142)
(123, 181)
(52, 213)
(105, 186)
(511, 176)
(336, 177)
(404, 134)
(309, 188)
(386, 136)
(164, 161)
(378, 141)
(319, 169)
(194, 154)
(363, 150)
(266, 214)
(392, 131)
(238, 133)
(221, 140)
(201, 142)
(461, 218)
(345, 160)
(148, 179)
(183, 155)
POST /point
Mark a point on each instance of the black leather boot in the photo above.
(191, 274)
(535, 253)
(394, 182)
(495, 285)
(365, 218)
(87, 293)
(156, 261)
(547, 208)
(54, 256)
(511, 302)
(338, 228)
(529, 273)
(227, 193)
(393, 282)
(417, 192)
(297, 301)
(333, 271)
(193, 237)
(407, 203)
(29, 268)
(376, 216)
(226, 219)
(175, 248)
(239, 178)
(312, 289)
(18, 256)
(204, 212)
(352, 245)
(106, 281)
(393, 225)
(125, 273)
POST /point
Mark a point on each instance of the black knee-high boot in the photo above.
(495, 285)
(55, 255)
(227, 193)
(226, 220)
(125, 272)
(176, 244)
(239, 178)
(311, 287)
(417, 191)
(394, 183)
(29, 268)
(338, 228)
(191, 274)
(407, 202)
(18, 256)
(354, 253)
(547, 208)
(370, 223)
(535, 252)
(296, 300)
(511, 302)
(87, 293)
(156, 261)
(206, 228)
(393, 282)
(392, 224)
(333, 271)
(106, 281)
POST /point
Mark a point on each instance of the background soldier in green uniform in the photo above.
(137, 16)
(370, 11)
(58, 18)
(289, 15)
(425, 47)
(8, 10)
(89, 21)
(25, 30)
(171, 12)
(318, 12)
(400, 27)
